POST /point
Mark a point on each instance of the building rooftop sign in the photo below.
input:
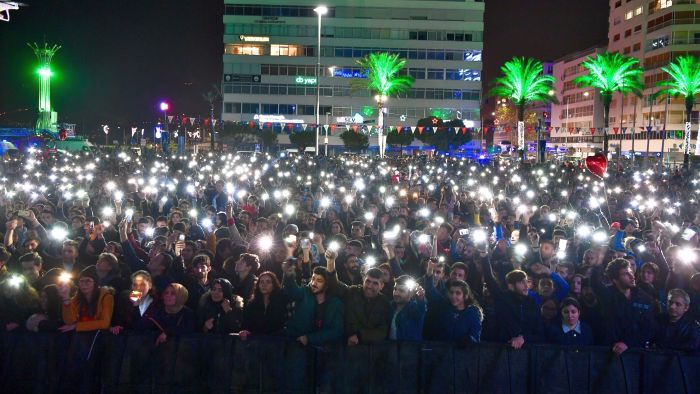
(254, 38)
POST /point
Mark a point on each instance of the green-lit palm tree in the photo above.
(610, 73)
(523, 82)
(383, 79)
(685, 81)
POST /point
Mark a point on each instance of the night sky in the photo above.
(121, 57)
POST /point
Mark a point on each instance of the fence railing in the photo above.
(89, 362)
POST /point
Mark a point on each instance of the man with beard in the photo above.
(350, 273)
(367, 310)
(628, 313)
(677, 329)
(407, 310)
(318, 316)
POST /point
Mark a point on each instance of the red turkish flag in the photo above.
(420, 129)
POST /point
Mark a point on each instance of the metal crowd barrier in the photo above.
(200, 363)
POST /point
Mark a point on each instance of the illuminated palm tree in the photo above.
(523, 82)
(685, 81)
(610, 73)
(383, 79)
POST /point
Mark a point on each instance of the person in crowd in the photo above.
(219, 310)
(50, 316)
(32, 265)
(318, 315)
(266, 313)
(18, 301)
(137, 306)
(246, 266)
(517, 316)
(627, 312)
(408, 310)
(174, 317)
(570, 330)
(198, 281)
(367, 310)
(90, 308)
(677, 330)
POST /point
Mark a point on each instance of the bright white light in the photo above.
(520, 249)
(479, 236)
(584, 231)
(423, 238)
(600, 236)
(333, 246)
(370, 261)
(325, 202)
(369, 216)
(424, 212)
(207, 223)
(265, 242)
(107, 211)
(59, 234)
(193, 213)
(289, 210)
(150, 231)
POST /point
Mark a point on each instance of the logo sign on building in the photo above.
(302, 80)
(254, 38)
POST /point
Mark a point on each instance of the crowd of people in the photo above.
(351, 249)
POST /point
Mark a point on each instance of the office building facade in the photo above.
(271, 48)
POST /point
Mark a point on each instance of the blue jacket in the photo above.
(460, 326)
(409, 320)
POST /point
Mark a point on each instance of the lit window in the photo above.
(629, 15)
(638, 11)
(284, 50)
(665, 3)
(237, 49)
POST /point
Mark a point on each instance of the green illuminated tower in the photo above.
(47, 117)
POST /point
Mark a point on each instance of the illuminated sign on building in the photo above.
(341, 73)
(275, 119)
(254, 38)
(302, 80)
(470, 75)
(472, 55)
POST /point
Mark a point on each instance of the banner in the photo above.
(697, 143)
(686, 139)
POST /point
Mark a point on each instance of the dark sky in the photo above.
(121, 57)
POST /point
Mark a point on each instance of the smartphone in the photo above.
(92, 225)
(135, 295)
(181, 237)
(23, 213)
(464, 232)
(305, 243)
(562, 244)
(688, 234)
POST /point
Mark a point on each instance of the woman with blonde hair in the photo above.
(173, 318)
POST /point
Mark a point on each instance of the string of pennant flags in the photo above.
(282, 127)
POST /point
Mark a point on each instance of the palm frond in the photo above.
(383, 74)
(684, 73)
(612, 72)
(523, 82)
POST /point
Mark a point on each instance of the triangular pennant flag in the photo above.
(170, 119)
(184, 120)
(206, 122)
(192, 121)
(369, 128)
(333, 128)
(420, 129)
(616, 130)
(649, 129)
(557, 129)
(624, 130)
(592, 130)
(463, 130)
(290, 126)
(133, 131)
(347, 127)
(354, 128)
(303, 126)
(413, 129)
(215, 122)
(529, 128)
(658, 129)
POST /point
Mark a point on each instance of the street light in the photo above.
(164, 107)
(380, 99)
(320, 11)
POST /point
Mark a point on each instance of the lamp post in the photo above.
(326, 139)
(320, 11)
(164, 107)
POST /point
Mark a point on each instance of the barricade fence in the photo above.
(199, 363)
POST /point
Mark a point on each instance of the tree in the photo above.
(685, 81)
(211, 97)
(303, 139)
(610, 73)
(399, 137)
(444, 136)
(355, 141)
(523, 82)
(384, 79)
(240, 135)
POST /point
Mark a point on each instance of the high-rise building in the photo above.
(271, 48)
(578, 113)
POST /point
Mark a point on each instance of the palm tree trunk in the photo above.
(689, 101)
(607, 99)
(521, 119)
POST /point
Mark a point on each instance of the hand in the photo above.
(619, 348)
(420, 293)
(318, 239)
(517, 342)
(244, 335)
(331, 255)
(11, 225)
(11, 326)
(161, 338)
(226, 306)
(353, 340)
(209, 324)
(179, 245)
(116, 330)
(66, 327)
(303, 340)
(288, 267)
(238, 302)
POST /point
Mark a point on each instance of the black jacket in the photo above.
(266, 321)
(682, 335)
